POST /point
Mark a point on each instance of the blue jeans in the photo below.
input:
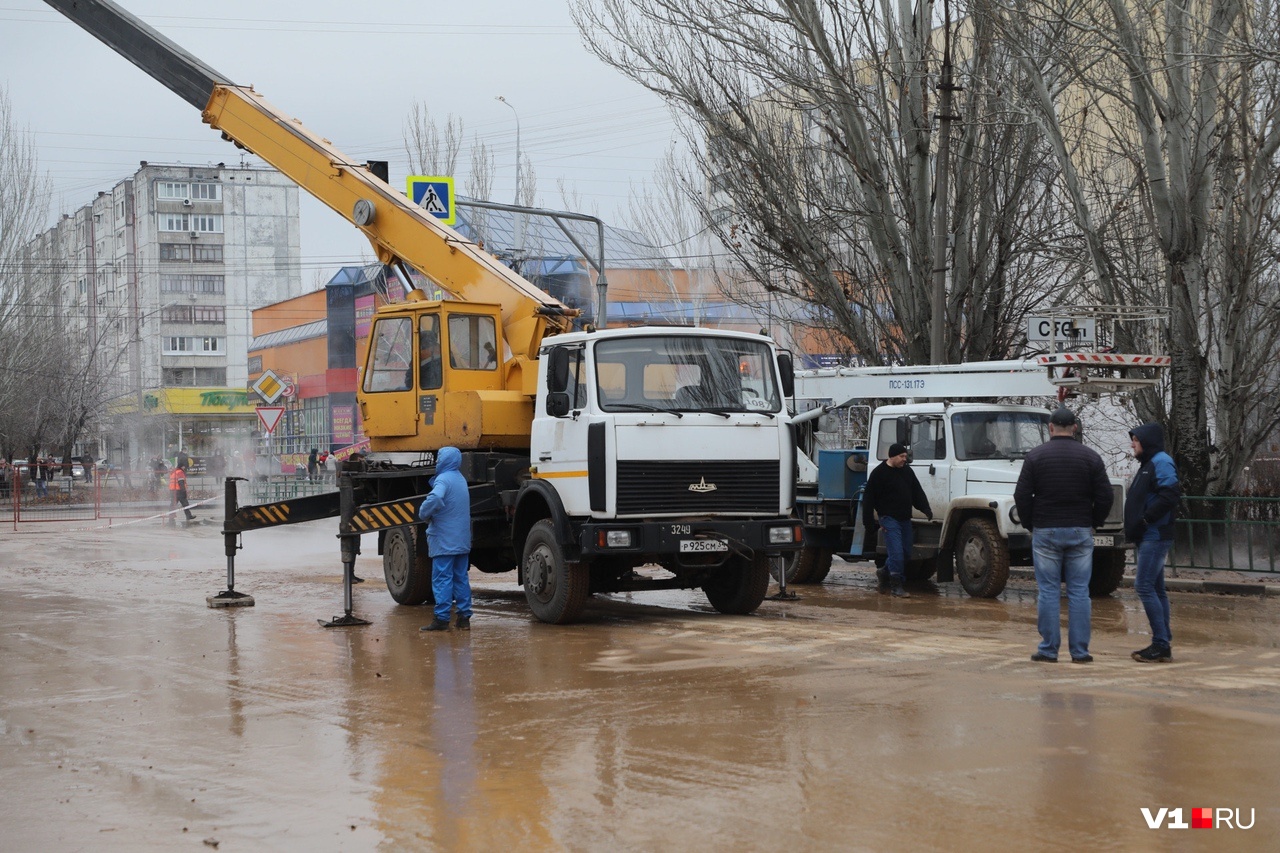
(897, 541)
(450, 584)
(1148, 582)
(1063, 554)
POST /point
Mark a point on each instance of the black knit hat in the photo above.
(1063, 417)
(896, 450)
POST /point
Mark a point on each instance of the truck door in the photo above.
(926, 436)
(389, 404)
(564, 440)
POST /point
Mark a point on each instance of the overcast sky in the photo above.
(350, 71)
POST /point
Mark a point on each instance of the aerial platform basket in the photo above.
(1105, 349)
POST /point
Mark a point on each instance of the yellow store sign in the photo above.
(189, 401)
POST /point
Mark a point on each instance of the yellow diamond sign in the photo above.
(269, 387)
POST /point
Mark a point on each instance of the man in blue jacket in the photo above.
(1148, 521)
(447, 509)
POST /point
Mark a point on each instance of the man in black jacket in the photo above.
(1062, 494)
(891, 491)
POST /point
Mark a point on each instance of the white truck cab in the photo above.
(666, 446)
(967, 457)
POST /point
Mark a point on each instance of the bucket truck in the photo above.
(967, 456)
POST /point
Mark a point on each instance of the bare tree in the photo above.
(432, 149)
(1164, 120)
(24, 197)
(812, 124)
(661, 210)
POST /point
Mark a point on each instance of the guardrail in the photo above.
(117, 494)
(267, 489)
(1227, 534)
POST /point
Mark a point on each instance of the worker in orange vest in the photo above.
(178, 489)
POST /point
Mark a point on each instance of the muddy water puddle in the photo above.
(134, 717)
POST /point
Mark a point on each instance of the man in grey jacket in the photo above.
(1062, 494)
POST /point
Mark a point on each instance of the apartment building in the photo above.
(159, 275)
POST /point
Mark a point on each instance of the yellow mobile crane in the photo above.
(588, 453)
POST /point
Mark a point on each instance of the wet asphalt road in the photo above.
(133, 717)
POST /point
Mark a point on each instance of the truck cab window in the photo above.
(390, 351)
(925, 438)
(472, 342)
(687, 374)
(430, 366)
(998, 435)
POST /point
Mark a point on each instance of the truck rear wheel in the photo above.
(555, 588)
(982, 558)
(1108, 569)
(808, 565)
(739, 585)
(406, 568)
(819, 564)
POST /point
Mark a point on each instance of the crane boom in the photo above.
(398, 230)
(849, 385)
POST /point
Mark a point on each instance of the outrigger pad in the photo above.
(229, 598)
(347, 621)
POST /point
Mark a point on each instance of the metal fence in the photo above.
(118, 494)
(263, 490)
(1227, 534)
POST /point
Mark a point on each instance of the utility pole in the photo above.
(941, 196)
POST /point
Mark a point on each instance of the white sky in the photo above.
(351, 72)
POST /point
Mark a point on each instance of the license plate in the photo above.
(703, 546)
(1103, 541)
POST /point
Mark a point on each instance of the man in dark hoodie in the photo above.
(1148, 522)
(891, 491)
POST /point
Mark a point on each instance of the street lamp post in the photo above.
(518, 249)
(517, 115)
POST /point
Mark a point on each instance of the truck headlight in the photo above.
(782, 535)
(615, 539)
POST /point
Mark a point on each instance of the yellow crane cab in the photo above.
(438, 373)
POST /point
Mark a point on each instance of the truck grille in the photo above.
(1115, 518)
(663, 487)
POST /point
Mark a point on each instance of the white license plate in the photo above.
(703, 546)
(1103, 541)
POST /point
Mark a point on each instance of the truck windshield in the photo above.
(998, 435)
(686, 374)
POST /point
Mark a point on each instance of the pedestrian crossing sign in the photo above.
(434, 194)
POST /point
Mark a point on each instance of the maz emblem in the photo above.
(702, 486)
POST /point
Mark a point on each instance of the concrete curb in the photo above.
(1264, 590)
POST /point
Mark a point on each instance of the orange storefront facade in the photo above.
(312, 344)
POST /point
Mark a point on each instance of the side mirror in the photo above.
(558, 404)
(557, 371)
(787, 373)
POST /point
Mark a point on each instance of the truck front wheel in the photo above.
(555, 588)
(739, 585)
(982, 559)
(1108, 569)
(406, 568)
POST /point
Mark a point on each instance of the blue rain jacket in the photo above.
(447, 508)
(1155, 492)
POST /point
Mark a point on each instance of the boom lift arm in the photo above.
(399, 231)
